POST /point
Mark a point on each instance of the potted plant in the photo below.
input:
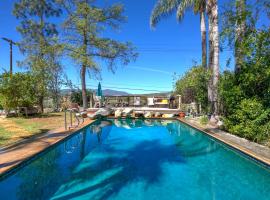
(182, 114)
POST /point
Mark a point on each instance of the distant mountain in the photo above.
(108, 92)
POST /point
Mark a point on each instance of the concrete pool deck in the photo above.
(14, 155)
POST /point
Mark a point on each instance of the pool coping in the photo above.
(19, 154)
(240, 148)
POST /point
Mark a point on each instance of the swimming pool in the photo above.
(138, 159)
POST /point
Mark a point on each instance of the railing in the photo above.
(71, 113)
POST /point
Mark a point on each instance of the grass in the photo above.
(17, 128)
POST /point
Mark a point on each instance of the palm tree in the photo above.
(164, 8)
(212, 12)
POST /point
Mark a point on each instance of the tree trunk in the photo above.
(215, 56)
(239, 33)
(83, 70)
(84, 95)
(210, 57)
(40, 101)
(203, 38)
(214, 65)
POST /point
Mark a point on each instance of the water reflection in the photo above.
(41, 178)
(139, 123)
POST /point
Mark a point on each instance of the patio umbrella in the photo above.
(99, 91)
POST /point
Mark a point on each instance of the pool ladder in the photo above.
(71, 113)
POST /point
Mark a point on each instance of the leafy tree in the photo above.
(239, 19)
(18, 91)
(56, 75)
(245, 95)
(193, 86)
(85, 26)
(38, 38)
(76, 96)
(164, 8)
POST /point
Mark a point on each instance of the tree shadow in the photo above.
(144, 162)
(24, 140)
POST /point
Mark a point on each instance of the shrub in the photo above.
(203, 120)
(76, 96)
(250, 120)
(17, 91)
(193, 86)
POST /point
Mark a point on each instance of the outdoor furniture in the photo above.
(150, 102)
(168, 115)
(137, 101)
(139, 113)
(97, 101)
(118, 113)
(28, 110)
(148, 114)
(127, 112)
(158, 114)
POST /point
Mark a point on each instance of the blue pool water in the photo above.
(136, 159)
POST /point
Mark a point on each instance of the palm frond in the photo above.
(163, 9)
(183, 6)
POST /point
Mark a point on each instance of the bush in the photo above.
(76, 96)
(203, 120)
(193, 86)
(250, 120)
(17, 91)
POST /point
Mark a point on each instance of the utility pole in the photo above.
(11, 42)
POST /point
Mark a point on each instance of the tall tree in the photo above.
(239, 32)
(37, 33)
(85, 26)
(164, 8)
(212, 11)
(57, 77)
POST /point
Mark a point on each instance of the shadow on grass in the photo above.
(24, 140)
(38, 115)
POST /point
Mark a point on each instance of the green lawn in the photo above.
(17, 128)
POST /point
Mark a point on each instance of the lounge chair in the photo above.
(127, 112)
(102, 112)
(148, 114)
(118, 113)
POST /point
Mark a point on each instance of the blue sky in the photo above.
(171, 48)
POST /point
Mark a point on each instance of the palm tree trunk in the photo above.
(239, 33)
(214, 53)
(215, 56)
(210, 57)
(203, 36)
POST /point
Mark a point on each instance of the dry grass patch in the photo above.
(18, 128)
